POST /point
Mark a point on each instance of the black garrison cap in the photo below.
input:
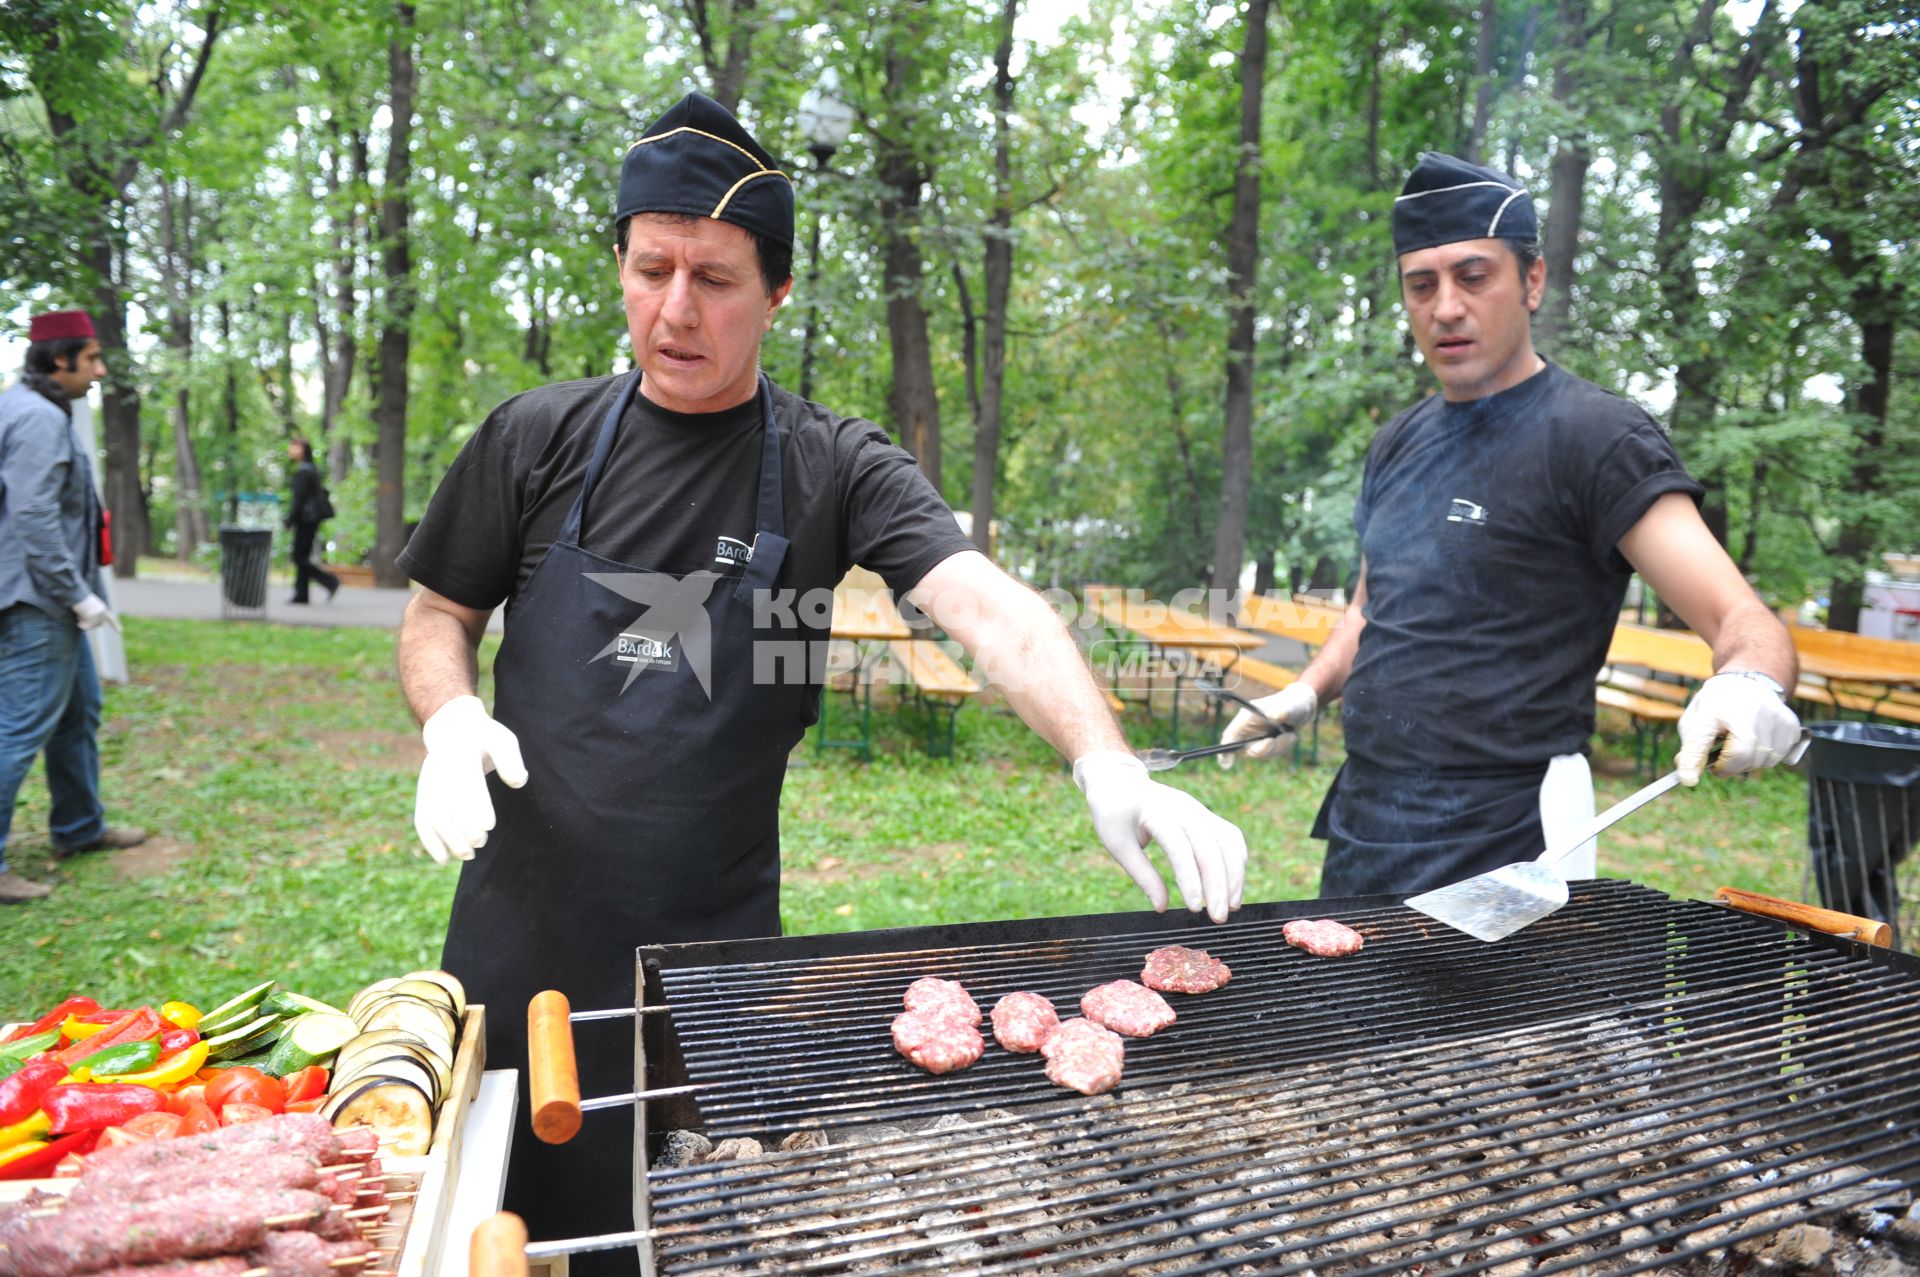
(696, 159)
(1447, 200)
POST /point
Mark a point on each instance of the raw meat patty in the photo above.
(1084, 1057)
(1323, 937)
(943, 997)
(1021, 1022)
(1127, 1007)
(1178, 969)
(936, 1043)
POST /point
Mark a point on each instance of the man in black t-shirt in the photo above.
(1499, 523)
(666, 543)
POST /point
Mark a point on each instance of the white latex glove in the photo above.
(452, 811)
(1293, 706)
(94, 613)
(1759, 728)
(1208, 854)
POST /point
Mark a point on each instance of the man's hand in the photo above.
(452, 811)
(1293, 706)
(1747, 710)
(1208, 854)
(94, 613)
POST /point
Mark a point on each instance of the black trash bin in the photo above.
(244, 556)
(1863, 817)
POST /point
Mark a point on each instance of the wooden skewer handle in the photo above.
(1812, 917)
(553, 1078)
(499, 1247)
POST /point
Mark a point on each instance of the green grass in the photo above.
(275, 766)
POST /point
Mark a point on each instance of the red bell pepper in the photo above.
(54, 1018)
(93, 1106)
(21, 1093)
(173, 1041)
(104, 1015)
(134, 1026)
(41, 1162)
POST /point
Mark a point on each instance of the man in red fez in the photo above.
(50, 592)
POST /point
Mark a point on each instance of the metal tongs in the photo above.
(1159, 760)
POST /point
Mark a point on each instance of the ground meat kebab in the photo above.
(1323, 937)
(1084, 1056)
(1178, 969)
(1127, 1007)
(937, 1043)
(943, 997)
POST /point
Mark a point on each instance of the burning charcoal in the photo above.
(684, 1148)
(948, 998)
(804, 1138)
(740, 1148)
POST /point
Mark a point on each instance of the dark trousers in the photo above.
(305, 570)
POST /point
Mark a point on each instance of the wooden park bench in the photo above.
(940, 684)
(1874, 677)
(865, 617)
(1193, 648)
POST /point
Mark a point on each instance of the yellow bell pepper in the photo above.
(72, 1030)
(181, 1015)
(19, 1151)
(170, 1071)
(31, 1127)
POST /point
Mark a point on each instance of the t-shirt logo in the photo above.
(1465, 511)
(730, 551)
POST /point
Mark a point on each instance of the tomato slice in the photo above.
(179, 1101)
(198, 1118)
(313, 1105)
(246, 1086)
(237, 1112)
(155, 1126)
(305, 1084)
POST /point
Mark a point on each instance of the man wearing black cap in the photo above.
(1499, 523)
(662, 542)
(50, 524)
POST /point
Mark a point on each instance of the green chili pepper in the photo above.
(21, 1048)
(128, 1057)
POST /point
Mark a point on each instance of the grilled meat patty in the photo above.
(1323, 937)
(1178, 969)
(1084, 1057)
(943, 997)
(1127, 1007)
(936, 1042)
(1021, 1021)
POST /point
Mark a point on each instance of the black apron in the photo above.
(1390, 833)
(650, 815)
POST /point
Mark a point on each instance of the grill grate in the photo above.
(1629, 1083)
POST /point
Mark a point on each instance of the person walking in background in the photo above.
(50, 524)
(309, 508)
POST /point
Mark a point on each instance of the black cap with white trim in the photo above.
(697, 160)
(1447, 200)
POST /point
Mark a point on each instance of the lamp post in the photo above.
(826, 120)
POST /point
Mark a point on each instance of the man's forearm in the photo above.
(1753, 638)
(438, 657)
(1327, 672)
(1031, 658)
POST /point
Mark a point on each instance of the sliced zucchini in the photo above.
(449, 982)
(250, 1036)
(287, 1002)
(310, 1039)
(239, 1002)
(399, 1112)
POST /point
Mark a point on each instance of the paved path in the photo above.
(200, 601)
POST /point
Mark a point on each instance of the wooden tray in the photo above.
(416, 1225)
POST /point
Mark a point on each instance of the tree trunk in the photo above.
(1874, 308)
(1476, 139)
(911, 396)
(1243, 256)
(390, 400)
(999, 275)
(1567, 185)
(231, 414)
(176, 264)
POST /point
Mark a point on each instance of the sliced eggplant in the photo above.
(405, 1067)
(399, 1111)
(448, 981)
(370, 1042)
(358, 1000)
(423, 1019)
(428, 991)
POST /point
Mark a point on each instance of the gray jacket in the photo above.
(49, 555)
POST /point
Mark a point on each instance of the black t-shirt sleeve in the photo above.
(892, 520)
(1635, 465)
(468, 544)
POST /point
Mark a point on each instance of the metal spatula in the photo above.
(1493, 905)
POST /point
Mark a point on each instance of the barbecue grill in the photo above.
(1634, 1084)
